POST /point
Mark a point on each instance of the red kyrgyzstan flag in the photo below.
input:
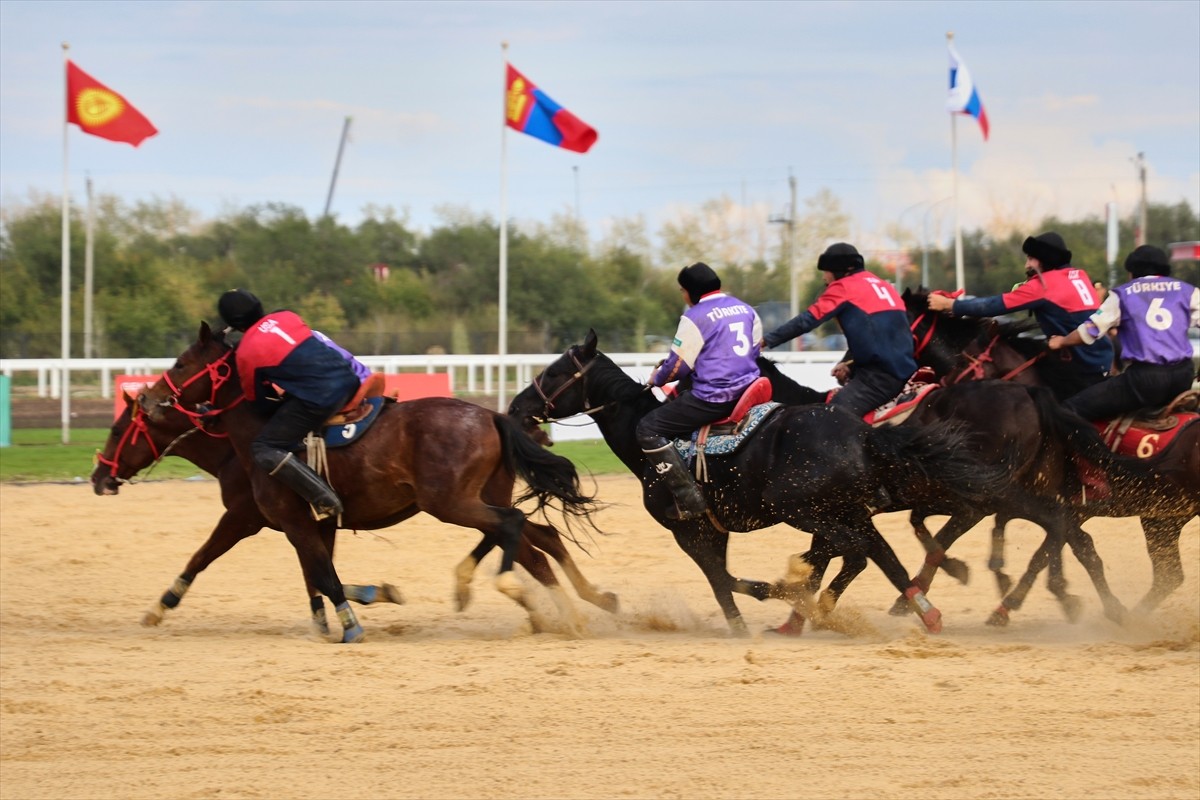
(100, 111)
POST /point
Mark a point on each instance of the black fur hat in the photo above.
(698, 280)
(1147, 260)
(841, 259)
(240, 309)
(1048, 248)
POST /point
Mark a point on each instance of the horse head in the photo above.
(560, 390)
(129, 448)
(194, 380)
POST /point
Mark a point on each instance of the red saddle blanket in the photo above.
(1141, 438)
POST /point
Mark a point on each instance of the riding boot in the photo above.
(667, 464)
(300, 478)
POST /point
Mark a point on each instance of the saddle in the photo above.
(725, 436)
(357, 406)
(1147, 432)
(899, 409)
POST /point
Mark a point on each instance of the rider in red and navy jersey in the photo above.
(279, 350)
(872, 316)
(1061, 298)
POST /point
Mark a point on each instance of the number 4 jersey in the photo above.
(717, 343)
(1152, 315)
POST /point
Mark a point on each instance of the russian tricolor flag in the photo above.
(964, 98)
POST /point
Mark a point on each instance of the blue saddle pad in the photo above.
(724, 444)
(350, 432)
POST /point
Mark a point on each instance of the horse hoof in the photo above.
(508, 584)
(900, 607)
(793, 627)
(609, 602)
(1115, 612)
(998, 618)
(956, 569)
(391, 594)
(152, 618)
(932, 620)
(352, 635)
(1072, 607)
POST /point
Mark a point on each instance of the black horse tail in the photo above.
(927, 462)
(1081, 440)
(548, 477)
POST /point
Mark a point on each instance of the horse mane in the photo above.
(611, 381)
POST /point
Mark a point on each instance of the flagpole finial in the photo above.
(66, 46)
(504, 46)
(949, 36)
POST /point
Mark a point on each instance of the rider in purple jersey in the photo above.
(717, 344)
(1151, 315)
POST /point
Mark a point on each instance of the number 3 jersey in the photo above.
(1061, 300)
(717, 344)
(872, 317)
(1152, 315)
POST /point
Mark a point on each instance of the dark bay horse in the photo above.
(454, 460)
(134, 444)
(1015, 429)
(964, 349)
(817, 468)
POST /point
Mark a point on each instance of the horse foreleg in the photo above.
(996, 557)
(1016, 598)
(235, 524)
(868, 540)
(935, 557)
(1085, 551)
(1162, 543)
(316, 562)
(707, 546)
(804, 575)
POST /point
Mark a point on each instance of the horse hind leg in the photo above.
(1162, 543)
(548, 540)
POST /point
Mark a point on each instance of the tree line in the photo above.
(383, 287)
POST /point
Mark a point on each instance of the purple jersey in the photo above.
(717, 343)
(1152, 315)
(360, 369)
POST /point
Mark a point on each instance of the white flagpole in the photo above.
(958, 254)
(502, 334)
(65, 388)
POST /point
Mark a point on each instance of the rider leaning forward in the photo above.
(279, 350)
(1061, 298)
(1151, 315)
(880, 359)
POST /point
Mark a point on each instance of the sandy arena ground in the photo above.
(234, 697)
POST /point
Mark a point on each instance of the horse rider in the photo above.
(871, 314)
(279, 350)
(1151, 315)
(717, 344)
(1061, 297)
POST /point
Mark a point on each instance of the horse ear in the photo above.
(205, 332)
(589, 342)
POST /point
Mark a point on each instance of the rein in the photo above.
(548, 400)
(975, 366)
(138, 428)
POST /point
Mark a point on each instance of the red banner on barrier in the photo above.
(129, 386)
(411, 385)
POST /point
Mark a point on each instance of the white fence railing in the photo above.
(469, 374)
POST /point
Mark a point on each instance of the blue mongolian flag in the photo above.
(528, 110)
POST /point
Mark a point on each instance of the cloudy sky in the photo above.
(692, 101)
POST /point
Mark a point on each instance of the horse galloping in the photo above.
(817, 468)
(134, 444)
(449, 458)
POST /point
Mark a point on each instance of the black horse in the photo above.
(1162, 489)
(1014, 428)
(817, 468)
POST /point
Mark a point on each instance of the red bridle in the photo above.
(219, 373)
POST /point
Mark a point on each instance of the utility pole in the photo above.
(337, 165)
(793, 278)
(1139, 237)
(87, 274)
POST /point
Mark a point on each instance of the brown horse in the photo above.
(964, 349)
(451, 459)
(134, 444)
